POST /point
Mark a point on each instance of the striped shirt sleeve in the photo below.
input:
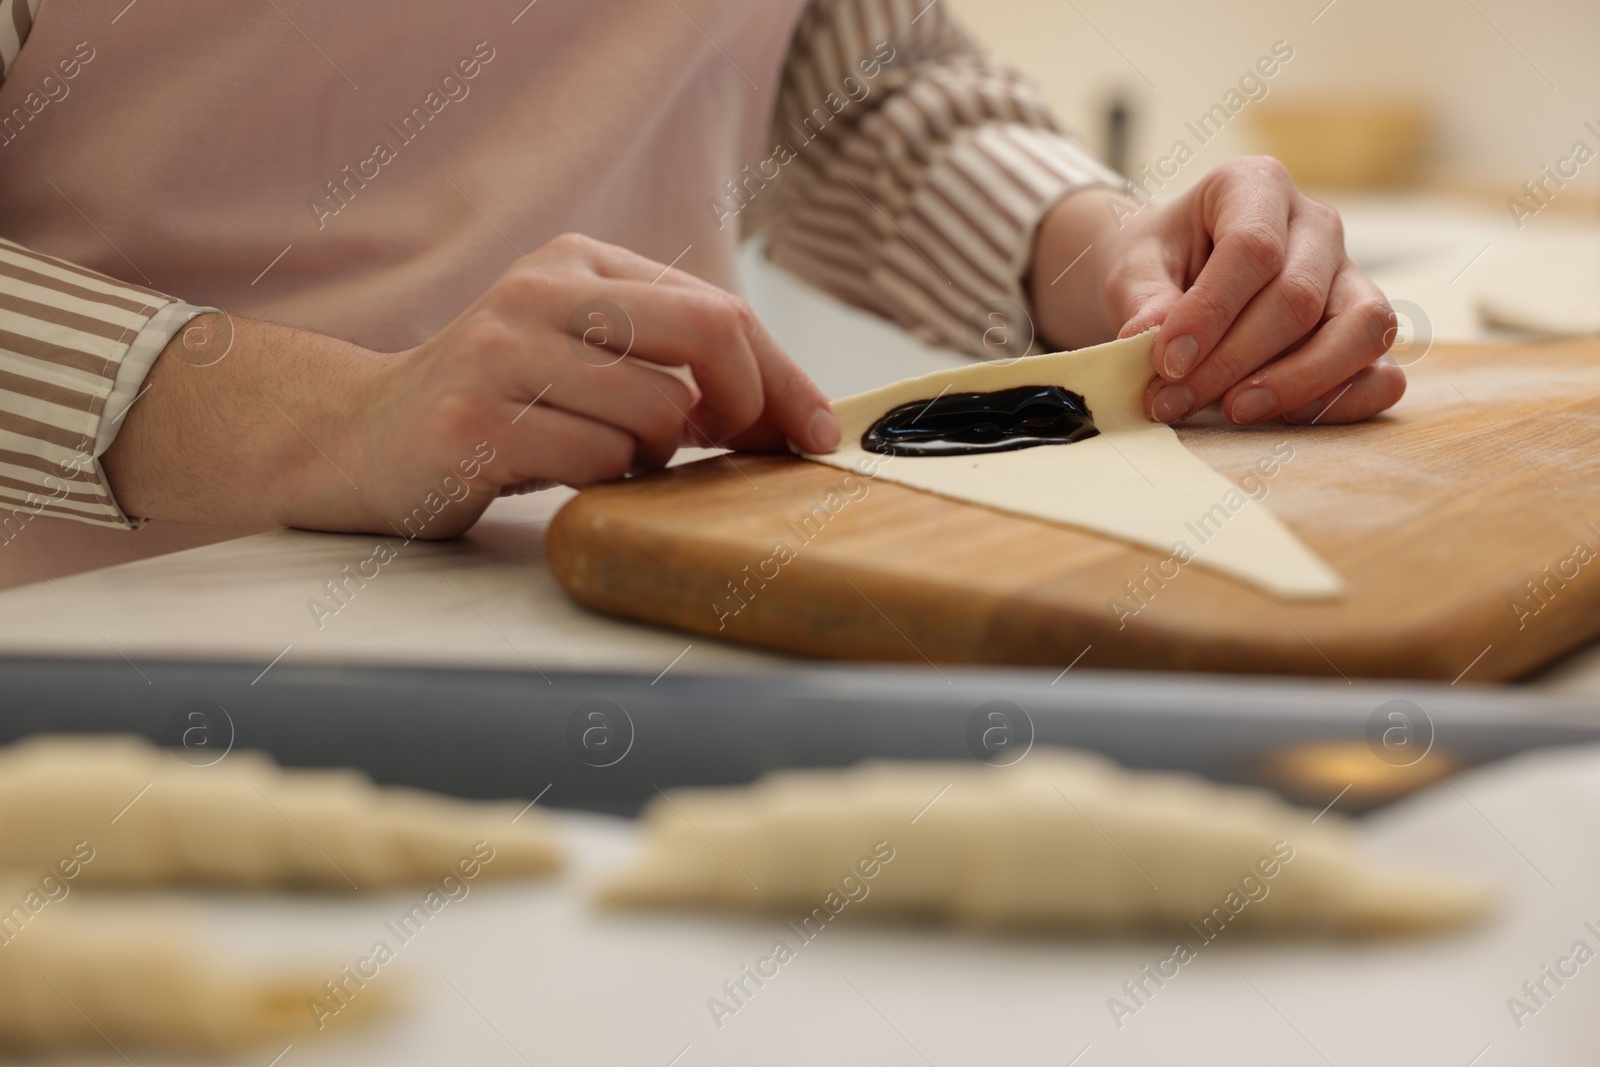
(912, 172)
(75, 347)
(65, 334)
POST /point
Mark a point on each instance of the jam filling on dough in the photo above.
(969, 423)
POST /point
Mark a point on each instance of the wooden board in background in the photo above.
(1438, 514)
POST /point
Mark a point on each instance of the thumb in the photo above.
(1150, 313)
(1143, 292)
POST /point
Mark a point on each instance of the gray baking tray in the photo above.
(609, 741)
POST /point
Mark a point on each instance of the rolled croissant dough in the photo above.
(117, 811)
(1135, 481)
(1063, 839)
(152, 819)
(73, 980)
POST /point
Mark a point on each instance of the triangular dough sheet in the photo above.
(1135, 481)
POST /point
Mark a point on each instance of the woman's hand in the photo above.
(1258, 304)
(562, 367)
(560, 373)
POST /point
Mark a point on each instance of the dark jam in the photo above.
(965, 424)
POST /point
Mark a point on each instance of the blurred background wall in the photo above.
(1509, 83)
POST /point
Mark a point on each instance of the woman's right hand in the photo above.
(562, 367)
(560, 373)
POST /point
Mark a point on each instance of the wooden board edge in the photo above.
(654, 586)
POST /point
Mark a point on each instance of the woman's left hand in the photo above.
(1259, 306)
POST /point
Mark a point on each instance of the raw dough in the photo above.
(1135, 481)
(118, 979)
(1545, 283)
(1062, 839)
(1542, 313)
(152, 819)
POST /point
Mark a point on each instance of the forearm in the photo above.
(258, 435)
(1071, 259)
(251, 423)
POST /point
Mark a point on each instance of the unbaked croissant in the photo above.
(149, 818)
(112, 980)
(1062, 839)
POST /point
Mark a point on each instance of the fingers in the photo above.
(795, 409)
(551, 445)
(1275, 320)
(1278, 319)
(750, 389)
(1244, 207)
(1147, 287)
(1373, 388)
(646, 403)
(1359, 329)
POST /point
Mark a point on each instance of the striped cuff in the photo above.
(973, 220)
(64, 334)
(136, 364)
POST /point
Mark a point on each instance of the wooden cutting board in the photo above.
(1466, 521)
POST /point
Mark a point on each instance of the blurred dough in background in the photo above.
(1062, 839)
(1470, 277)
(80, 979)
(117, 811)
(1548, 288)
(152, 819)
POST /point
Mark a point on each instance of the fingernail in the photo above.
(1253, 405)
(1171, 403)
(1181, 355)
(824, 431)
